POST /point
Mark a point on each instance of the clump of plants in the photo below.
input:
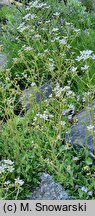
(89, 4)
(44, 49)
(8, 188)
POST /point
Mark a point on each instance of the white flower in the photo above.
(85, 54)
(15, 60)
(68, 24)
(42, 116)
(75, 159)
(58, 93)
(9, 162)
(73, 69)
(90, 193)
(7, 79)
(57, 38)
(69, 47)
(26, 17)
(56, 14)
(10, 169)
(47, 21)
(46, 51)
(2, 170)
(51, 66)
(36, 4)
(23, 28)
(84, 189)
(25, 76)
(21, 25)
(33, 84)
(50, 95)
(55, 29)
(78, 97)
(7, 182)
(33, 16)
(62, 41)
(37, 36)
(68, 93)
(27, 48)
(66, 88)
(79, 58)
(76, 30)
(51, 116)
(93, 57)
(62, 123)
(18, 181)
(85, 67)
(90, 127)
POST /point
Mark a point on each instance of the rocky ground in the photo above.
(49, 190)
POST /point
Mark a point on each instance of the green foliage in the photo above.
(46, 43)
(89, 4)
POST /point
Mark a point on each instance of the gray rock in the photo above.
(4, 2)
(49, 190)
(79, 135)
(3, 60)
(39, 94)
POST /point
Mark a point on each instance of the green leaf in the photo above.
(89, 161)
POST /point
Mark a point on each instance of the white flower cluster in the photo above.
(86, 96)
(19, 182)
(51, 66)
(62, 41)
(37, 4)
(85, 67)
(27, 48)
(29, 16)
(73, 69)
(65, 90)
(22, 27)
(71, 108)
(90, 128)
(58, 90)
(46, 116)
(6, 166)
(55, 30)
(56, 14)
(84, 55)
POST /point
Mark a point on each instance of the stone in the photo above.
(79, 135)
(49, 190)
(40, 94)
(4, 2)
(3, 60)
